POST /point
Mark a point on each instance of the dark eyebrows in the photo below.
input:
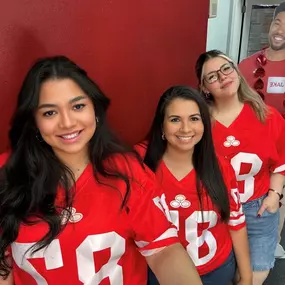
(73, 100)
(176, 116)
(211, 72)
(197, 114)
(42, 106)
(78, 98)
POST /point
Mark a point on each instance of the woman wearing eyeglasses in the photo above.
(252, 136)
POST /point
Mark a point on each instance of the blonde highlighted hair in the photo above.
(245, 93)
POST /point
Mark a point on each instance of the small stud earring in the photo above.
(97, 120)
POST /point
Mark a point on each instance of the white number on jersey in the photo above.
(248, 178)
(52, 256)
(160, 202)
(191, 234)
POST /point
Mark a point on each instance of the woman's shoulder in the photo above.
(129, 163)
(141, 148)
(274, 119)
(131, 166)
(273, 116)
(272, 112)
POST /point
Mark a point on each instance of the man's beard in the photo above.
(276, 47)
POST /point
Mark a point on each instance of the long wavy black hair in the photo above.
(205, 162)
(30, 178)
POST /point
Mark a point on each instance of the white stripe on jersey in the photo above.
(236, 222)
(279, 169)
(235, 214)
(152, 251)
(141, 244)
(169, 233)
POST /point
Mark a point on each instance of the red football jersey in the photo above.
(254, 149)
(101, 243)
(206, 239)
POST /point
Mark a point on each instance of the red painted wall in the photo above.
(134, 50)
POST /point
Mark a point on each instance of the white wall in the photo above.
(218, 28)
(224, 31)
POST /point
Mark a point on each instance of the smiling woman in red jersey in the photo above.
(200, 189)
(251, 136)
(77, 206)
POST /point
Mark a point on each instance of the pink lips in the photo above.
(226, 85)
(70, 137)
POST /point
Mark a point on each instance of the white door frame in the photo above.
(235, 29)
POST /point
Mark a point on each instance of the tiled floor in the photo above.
(277, 275)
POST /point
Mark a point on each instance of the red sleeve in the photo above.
(141, 148)
(149, 216)
(277, 132)
(3, 158)
(237, 217)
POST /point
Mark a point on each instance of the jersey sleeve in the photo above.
(237, 217)
(141, 148)
(148, 213)
(277, 129)
(149, 216)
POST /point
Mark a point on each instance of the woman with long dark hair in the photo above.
(76, 205)
(252, 137)
(200, 189)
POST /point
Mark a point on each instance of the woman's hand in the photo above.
(269, 204)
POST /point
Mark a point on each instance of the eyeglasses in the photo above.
(214, 76)
(259, 73)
